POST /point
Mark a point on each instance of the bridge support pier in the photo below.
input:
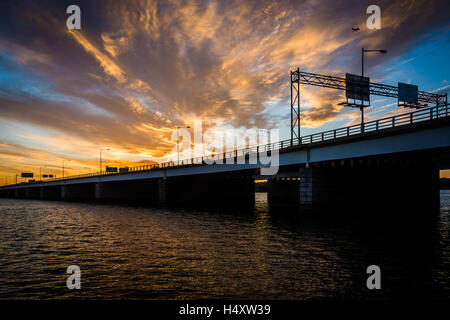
(163, 191)
(19, 193)
(331, 188)
(378, 185)
(219, 190)
(7, 193)
(283, 192)
(132, 192)
(10, 193)
(50, 193)
(32, 193)
(78, 192)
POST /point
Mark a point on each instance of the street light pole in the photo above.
(362, 79)
(101, 159)
(362, 62)
(63, 167)
(178, 149)
(40, 172)
(178, 144)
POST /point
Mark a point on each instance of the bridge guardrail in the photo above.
(426, 114)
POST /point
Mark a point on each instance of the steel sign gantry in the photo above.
(339, 83)
(295, 104)
(378, 89)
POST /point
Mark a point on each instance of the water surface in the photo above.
(127, 252)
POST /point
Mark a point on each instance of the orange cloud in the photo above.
(127, 80)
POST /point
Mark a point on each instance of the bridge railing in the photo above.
(409, 118)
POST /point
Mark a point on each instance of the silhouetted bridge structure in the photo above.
(394, 160)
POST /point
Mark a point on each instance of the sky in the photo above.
(136, 70)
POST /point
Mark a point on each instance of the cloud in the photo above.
(108, 65)
(137, 69)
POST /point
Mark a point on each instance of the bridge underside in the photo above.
(396, 182)
(221, 190)
(210, 189)
(403, 183)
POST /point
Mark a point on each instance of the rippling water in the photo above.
(158, 253)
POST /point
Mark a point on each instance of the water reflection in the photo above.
(160, 253)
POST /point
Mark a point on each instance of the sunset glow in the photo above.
(138, 69)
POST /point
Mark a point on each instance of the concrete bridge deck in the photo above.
(395, 148)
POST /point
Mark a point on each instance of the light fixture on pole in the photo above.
(362, 75)
(362, 56)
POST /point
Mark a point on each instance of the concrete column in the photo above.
(50, 193)
(163, 191)
(19, 193)
(382, 186)
(8, 193)
(32, 193)
(131, 192)
(218, 190)
(283, 192)
(306, 190)
(78, 192)
(328, 188)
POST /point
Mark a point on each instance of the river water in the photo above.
(127, 252)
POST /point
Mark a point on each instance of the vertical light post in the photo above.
(63, 167)
(265, 131)
(178, 144)
(101, 150)
(40, 172)
(362, 75)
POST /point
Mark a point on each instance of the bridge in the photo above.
(388, 162)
